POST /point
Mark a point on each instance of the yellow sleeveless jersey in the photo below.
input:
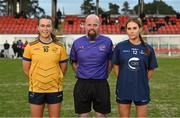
(45, 74)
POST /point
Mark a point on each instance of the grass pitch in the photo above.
(165, 91)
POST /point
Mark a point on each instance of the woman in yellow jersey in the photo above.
(45, 64)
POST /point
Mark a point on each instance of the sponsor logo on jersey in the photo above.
(81, 47)
(126, 51)
(133, 63)
(36, 49)
(55, 50)
(102, 47)
(142, 52)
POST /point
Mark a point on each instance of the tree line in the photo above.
(32, 8)
(156, 7)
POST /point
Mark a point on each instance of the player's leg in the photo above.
(54, 110)
(141, 111)
(54, 101)
(37, 103)
(124, 107)
(83, 115)
(37, 110)
(124, 110)
(100, 115)
(142, 108)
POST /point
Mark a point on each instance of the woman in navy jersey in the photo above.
(134, 62)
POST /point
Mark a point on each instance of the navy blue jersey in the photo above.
(132, 82)
(92, 57)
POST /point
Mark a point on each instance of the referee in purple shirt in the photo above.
(91, 61)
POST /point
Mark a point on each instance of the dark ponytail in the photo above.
(147, 50)
(53, 37)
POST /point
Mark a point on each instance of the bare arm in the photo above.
(26, 67)
(150, 74)
(109, 67)
(63, 67)
(74, 66)
(116, 70)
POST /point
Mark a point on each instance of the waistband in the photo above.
(91, 80)
(79, 78)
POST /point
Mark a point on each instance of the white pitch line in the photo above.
(169, 74)
(12, 84)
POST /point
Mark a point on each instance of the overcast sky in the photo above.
(73, 6)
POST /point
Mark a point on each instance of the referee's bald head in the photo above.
(94, 17)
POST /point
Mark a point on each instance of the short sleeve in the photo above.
(27, 53)
(116, 56)
(73, 56)
(63, 55)
(110, 52)
(152, 60)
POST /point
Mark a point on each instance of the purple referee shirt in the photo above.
(92, 57)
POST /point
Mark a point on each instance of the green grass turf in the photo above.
(165, 91)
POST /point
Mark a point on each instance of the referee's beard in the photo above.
(92, 34)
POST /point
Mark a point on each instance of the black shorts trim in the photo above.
(92, 94)
(137, 103)
(42, 98)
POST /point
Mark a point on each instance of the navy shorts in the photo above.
(42, 98)
(92, 93)
(137, 103)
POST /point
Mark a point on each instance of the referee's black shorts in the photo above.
(92, 93)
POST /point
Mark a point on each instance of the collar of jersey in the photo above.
(95, 38)
(44, 42)
(134, 44)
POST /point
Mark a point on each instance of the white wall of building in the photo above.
(169, 40)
